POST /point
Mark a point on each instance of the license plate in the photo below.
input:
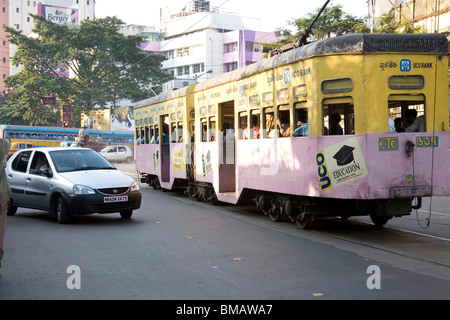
(115, 199)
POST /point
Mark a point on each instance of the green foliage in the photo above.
(333, 21)
(106, 66)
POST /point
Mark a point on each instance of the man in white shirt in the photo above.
(417, 124)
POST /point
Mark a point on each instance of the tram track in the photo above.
(388, 245)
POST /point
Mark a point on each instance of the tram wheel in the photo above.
(303, 221)
(275, 215)
(379, 221)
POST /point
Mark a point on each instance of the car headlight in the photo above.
(135, 186)
(80, 189)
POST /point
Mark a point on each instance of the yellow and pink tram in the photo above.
(352, 161)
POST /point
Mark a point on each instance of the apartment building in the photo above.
(432, 15)
(16, 14)
(202, 42)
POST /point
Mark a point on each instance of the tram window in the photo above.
(267, 97)
(180, 132)
(337, 85)
(142, 136)
(300, 116)
(269, 123)
(151, 135)
(204, 126)
(254, 124)
(254, 100)
(299, 91)
(338, 117)
(242, 124)
(173, 130)
(399, 104)
(284, 122)
(192, 130)
(406, 82)
(155, 138)
(147, 137)
(212, 132)
(283, 94)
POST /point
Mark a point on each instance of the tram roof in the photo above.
(352, 43)
(162, 97)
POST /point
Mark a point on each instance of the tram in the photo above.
(367, 167)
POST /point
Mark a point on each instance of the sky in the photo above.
(269, 15)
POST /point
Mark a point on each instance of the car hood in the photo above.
(98, 178)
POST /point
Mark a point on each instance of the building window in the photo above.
(180, 71)
(199, 68)
(186, 70)
(249, 46)
(230, 66)
(230, 47)
(170, 54)
(17, 10)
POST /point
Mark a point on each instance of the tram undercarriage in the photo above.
(305, 210)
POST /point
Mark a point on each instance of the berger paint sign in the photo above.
(340, 163)
(59, 15)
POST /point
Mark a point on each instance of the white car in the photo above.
(67, 181)
(117, 153)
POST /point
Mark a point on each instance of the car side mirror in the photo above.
(46, 171)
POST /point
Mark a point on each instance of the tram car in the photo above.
(239, 137)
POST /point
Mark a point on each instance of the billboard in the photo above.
(122, 118)
(97, 119)
(59, 15)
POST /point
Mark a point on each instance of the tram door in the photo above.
(227, 176)
(165, 150)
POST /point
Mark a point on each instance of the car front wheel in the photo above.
(12, 209)
(126, 214)
(62, 214)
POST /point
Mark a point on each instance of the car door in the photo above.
(17, 176)
(121, 153)
(38, 182)
(112, 154)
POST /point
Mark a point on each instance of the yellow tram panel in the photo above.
(399, 78)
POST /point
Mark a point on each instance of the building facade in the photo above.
(201, 43)
(16, 14)
(431, 15)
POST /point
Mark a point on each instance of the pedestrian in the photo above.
(5, 194)
(82, 134)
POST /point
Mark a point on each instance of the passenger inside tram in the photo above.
(335, 127)
(302, 124)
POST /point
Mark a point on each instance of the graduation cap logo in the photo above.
(344, 156)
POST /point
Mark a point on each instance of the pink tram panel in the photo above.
(362, 167)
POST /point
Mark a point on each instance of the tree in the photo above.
(106, 66)
(333, 21)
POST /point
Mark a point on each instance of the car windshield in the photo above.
(76, 160)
